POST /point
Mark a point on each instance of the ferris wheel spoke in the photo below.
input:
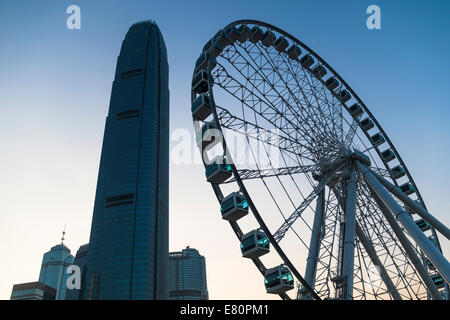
(332, 109)
(247, 174)
(308, 84)
(410, 251)
(281, 231)
(272, 196)
(385, 246)
(275, 63)
(314, 115)
(368, 247)
(383, 238)
(270, 137)
(318, 93)
(360, 233)
(262, 108)
(268, 90)
(328, 260)
(351, 132)
(361, 285)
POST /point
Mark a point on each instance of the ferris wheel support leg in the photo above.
(376, 261)
(417, 208)
(387, 203)
(349, 236)
(311, 262)
(415, 260)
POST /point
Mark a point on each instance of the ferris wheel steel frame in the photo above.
(371, 184)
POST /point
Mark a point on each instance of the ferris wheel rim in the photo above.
(347, 87)
(354, 94)
(357, 98)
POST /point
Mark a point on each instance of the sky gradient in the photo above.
(55, 86)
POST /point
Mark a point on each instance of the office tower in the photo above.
(53, 269)
(128, 246)
(187, 275)
(33, 291)
(80, 261)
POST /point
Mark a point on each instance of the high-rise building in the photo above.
(80, 261)
(187, 275)
(33, 291)
(128, 246)
(53, 269)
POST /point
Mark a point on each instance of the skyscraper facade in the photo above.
(33, 291)
(53, 269)
(128, 246)
(80, 261)
(187, 275)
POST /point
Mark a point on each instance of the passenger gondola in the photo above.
(201, 107)
(254, 244)
(278, 280)
(208, 136)
(234, 206)
(218, 171)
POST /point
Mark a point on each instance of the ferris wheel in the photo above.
(335, 213)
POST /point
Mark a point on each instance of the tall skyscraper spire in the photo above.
(128, 247)
(63, 234)
(53, 269)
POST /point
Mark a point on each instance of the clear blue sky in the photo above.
(55, 86)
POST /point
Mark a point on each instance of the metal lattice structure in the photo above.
(324, 182)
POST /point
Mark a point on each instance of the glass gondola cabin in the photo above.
(202, 62)
(355, 110)
(429, 264)
(307, 61)
(201, 107)
(200, 81)
(278, 280)
(218, 171)
(268, 38)
(233, 33)
(423, 225)
(209, 136)
(254, 244)
(366, 124)
(332, 83)
(407, 188)
(244, 33)
(438, 280)
(281, 44)
(256, 35)
(222, 38)
(294, 51)
(377, 139)
(388, 155)
(234, 207)
(344, 96)
(319, 71)
(398, 172)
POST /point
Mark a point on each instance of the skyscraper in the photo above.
(187, 275)
(33, 291)
(128, 246)
(80, 261)
(53, 269)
